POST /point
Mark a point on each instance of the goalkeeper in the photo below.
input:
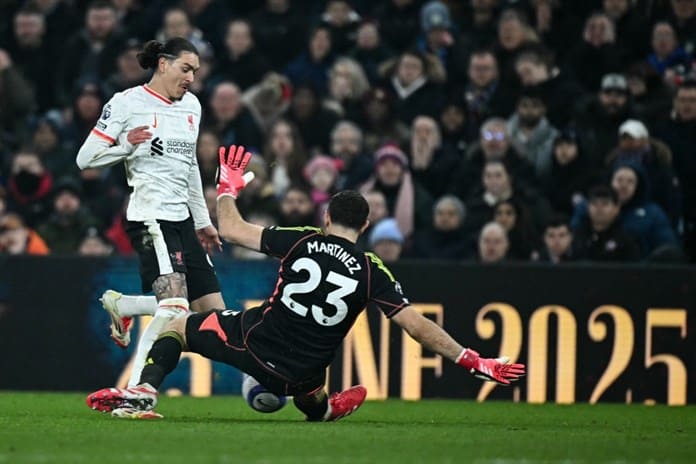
(287, 343)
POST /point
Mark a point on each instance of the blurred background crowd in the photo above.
(480, 130)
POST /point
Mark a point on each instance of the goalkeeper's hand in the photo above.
(491, 370)
(231, 178)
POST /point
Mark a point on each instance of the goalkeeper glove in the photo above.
(491, 370)
(230, 176)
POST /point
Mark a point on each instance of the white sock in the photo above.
(168, 309)
(136, 305)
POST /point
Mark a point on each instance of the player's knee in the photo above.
(177, 329)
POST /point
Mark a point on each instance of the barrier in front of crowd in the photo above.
(587, 333)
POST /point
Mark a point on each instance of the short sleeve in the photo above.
(113, 118)
(279, 241)
(385, 291)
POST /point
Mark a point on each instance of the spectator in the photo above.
(398, 20)
(129, 73)
(600, 237)
(484, 95)
(651, 96)
(95, 244)
(439, 39)
(347, 88)
(655, 157)
(16, 104)
(241, 63)
(314, 121)
(521, 233)
(90, 53)
(284, 153)
(493, 145)
(69, 220)
(386, 240)
(342, 21)
(268, 100)
(536, 70)
(479, 26)
(380, 123)
(446, 238)
(679, 132)
(514, 33)
(321, 174)
(597, 54)
(531, 133)
(88, 101)
(571, 173)
(632, 29)
(369, 50)
(177, 23)
(455, 128)
(296, 208)
(62, 19)
(414, 83)
(407, 201)
(209, 16)
(355, 166)
(207, 155)
(493, 244)
(279, 31)
(598, 119)
(29, 53)
(558, 241)
(47, 140)
(378, 211)
(16, 238)
(683, 18)
(642, 219)
(229, 118)
(102, 193)
(666, 53)
(431, 165)
(29, 187)
(312, 66)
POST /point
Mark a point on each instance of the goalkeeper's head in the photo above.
(348, 209)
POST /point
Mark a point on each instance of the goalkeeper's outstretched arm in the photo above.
(436, 339)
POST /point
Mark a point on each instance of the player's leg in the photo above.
(163, 270)
(318, 406)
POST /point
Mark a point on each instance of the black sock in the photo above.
(162, 359)
(313, 405)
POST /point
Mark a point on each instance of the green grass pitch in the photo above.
(59, 428)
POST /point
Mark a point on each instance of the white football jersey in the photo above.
(163, 171)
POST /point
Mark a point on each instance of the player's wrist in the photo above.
(468, 358)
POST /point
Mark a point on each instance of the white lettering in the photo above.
(337, 251)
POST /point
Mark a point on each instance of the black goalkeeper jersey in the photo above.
(324, 283)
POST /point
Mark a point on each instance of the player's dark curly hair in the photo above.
(349, 209)
(153, 50)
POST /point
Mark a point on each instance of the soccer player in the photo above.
(323, 285)
(152, 129)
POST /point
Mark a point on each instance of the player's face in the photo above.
(179, 74)
(624, 182)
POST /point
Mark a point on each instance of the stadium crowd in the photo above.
(488, 130)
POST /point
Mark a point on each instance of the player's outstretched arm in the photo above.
(231, 180)
(436, 339)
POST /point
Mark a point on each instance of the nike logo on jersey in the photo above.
(154, 123)
(156, 147)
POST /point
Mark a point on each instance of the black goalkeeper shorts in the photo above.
(218, 335)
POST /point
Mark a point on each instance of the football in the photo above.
(259, 398)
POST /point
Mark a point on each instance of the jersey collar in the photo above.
(157, 95)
